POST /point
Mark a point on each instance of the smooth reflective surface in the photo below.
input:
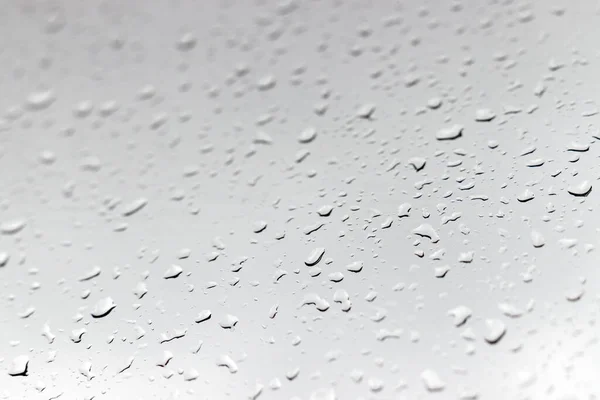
(299, 200)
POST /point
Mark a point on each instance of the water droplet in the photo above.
(450, 133)
(41, 100)
(85, 369)
(404, 210)
(418, 163)
(226, 361)
(307, 135)
(460, 315)
(434, 103)
(581, 189)
(525, 196)
(267, 82)
(495, 330)
(510, 310)
(77, 334)
(47, 333)
(575, 294)
(186, 42)
(325, 211)
(27, 313)
(259, 226)
(191, 375)
(273, 311)
(103, 307)
(537, 239)
(19, 366)
(3, 258)
(203, 315)
(432, 381)
(228, 321)
(173, 272)
(355, 266)
(12, 227)
(140, 290)
(315, 256)
(484, 115)
(134, 206)
(91, 274)
(426, 230)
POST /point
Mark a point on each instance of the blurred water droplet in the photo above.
(41, 100)
(495, 330)
(432, 381)
(450, 133)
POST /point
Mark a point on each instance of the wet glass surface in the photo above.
(321, 200)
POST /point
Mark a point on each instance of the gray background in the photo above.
(193, 147)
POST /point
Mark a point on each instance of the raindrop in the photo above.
(315, 256)
(460, 315)
(85, 369)
(355, 266)
(77, 334)
(3, 258)
(510, 310)
(418, 163)
(134, 206)
(432, 381)
(186, 42)
(426, 230)
(19, 366)
(307, 135)
(484, 115)
(12, 227)
(91, 274)
(537, 239)
(227, 362)
(581, 189)
(41, 100)
(259, 226)
(451, 133)
(191, 375)
(496, 329)
(525, 196)
(434, 103)
(404, 210)
(140, 290)
(103, 307)
(173, 272)
(574, 294)
(325, 211)
(366, 111)
(228, 321)
(203, 315)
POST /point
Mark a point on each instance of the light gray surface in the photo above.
(201, 108)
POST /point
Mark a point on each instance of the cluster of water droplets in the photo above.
(302, 201)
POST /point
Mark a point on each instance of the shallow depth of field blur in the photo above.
(299, 199)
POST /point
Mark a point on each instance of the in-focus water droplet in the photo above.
(103, 307)
(19, 366)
